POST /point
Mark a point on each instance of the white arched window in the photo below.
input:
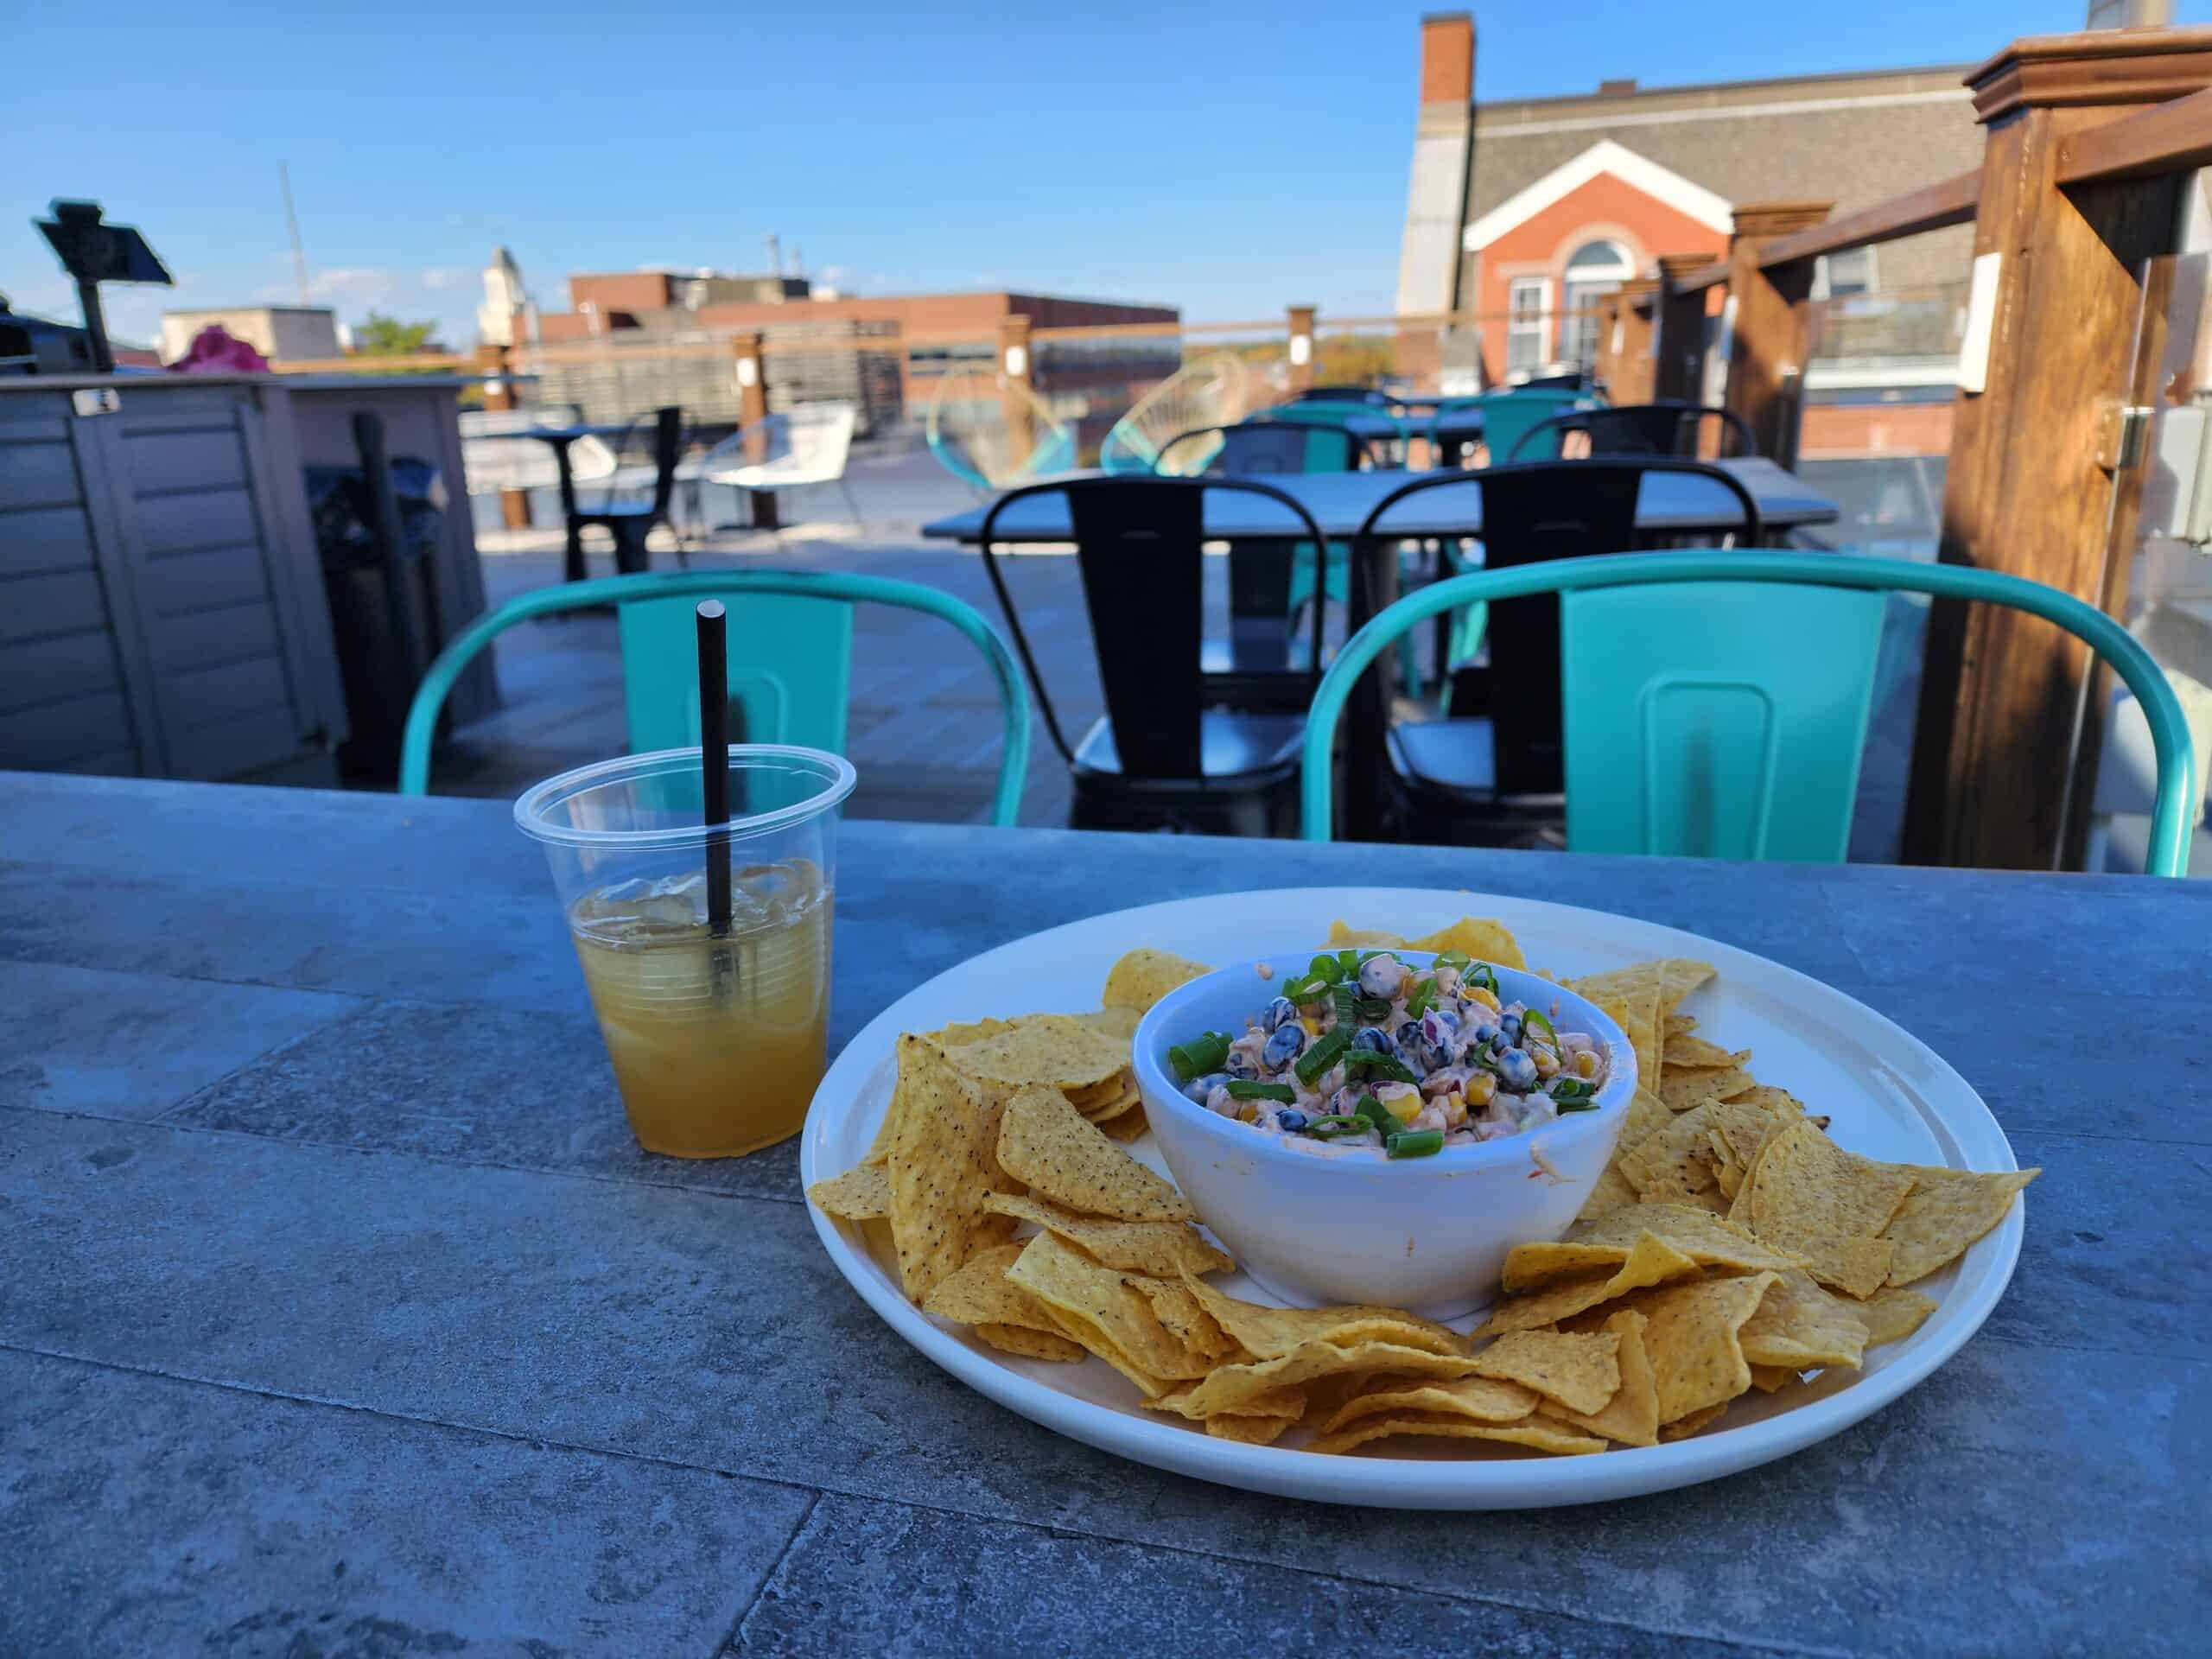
(1593, 271)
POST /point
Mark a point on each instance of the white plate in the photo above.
(1889, 1095)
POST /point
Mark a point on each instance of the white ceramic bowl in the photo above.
(1316, 1226)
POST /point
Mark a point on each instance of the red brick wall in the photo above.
(626, 290)
(1838, 430)
(1541, 245)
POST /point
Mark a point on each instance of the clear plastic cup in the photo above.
(717, 1043)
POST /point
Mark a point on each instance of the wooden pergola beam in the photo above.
(2172, 137)
(1931, 208)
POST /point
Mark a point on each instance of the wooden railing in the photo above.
(2088, 141)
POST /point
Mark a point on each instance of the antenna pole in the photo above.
(292, 224)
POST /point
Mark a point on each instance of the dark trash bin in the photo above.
(379, 568)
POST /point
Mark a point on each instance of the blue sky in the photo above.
(1228, 157)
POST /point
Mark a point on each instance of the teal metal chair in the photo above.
(1715, 703)
(1507, 417)
(790, 660)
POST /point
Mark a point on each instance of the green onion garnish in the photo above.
(1574, 1105)
(1372, 1010)
(1414, 1143)
(1349, 960)
(1307, 988)
(1458, 959)
(1335, 1124)
(1571, 1089)
(1386, 1124)
(1326, 968)
(1367, 1063)
(1480, 975)
(1424, 994)
(1245, 1089)
(1347, 1004)
(1529, 1017)
(1320, 1056)
(1199, 1056)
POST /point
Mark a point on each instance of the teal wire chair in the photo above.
(1507, 417)
(790, 660)
(1700, 712)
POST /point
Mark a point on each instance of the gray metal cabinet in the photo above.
(162, 610)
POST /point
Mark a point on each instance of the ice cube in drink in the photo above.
(717, 1043)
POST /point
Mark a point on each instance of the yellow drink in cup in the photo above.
(716, 1043)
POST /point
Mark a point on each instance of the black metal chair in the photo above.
(1497, 764)
(1160, 758)
(630, 522)
(1669, 426)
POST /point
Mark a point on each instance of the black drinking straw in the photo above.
(714, 757)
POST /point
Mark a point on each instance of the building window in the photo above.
(1838, 275)
(1595, 269)
(1528, 301)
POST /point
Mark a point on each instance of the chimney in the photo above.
(1436, 199)
(1616, 88)
(1448, 58)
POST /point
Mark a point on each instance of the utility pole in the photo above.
(292, 224)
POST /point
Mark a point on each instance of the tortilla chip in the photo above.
(1537, 1432)
(1120, 1024)
(1635, 1009)
(1279, 1403)
(1947, 1211)
(1126, 1126)
(1185, 1319)
(1679, 976)
(1696, 1360)
(1768, 1378)
(1249, 1431)
(1704, 1238)
(1675, 1164)
(1631, 1416)
(1891, 1315)
(1103, 1311)
(1232, 1385)
(1612, 1193)
(1806, 1183)
(1484, 941)
(943, 1163)
(1342, 934)
(1045, 1144)
(1053, 1049)
(969, 1031)
(1480, 1399)
(1270, 1332)
(1032, 1345)
(1682, 1428)
(1800, 1325)
(1582, 1373)
(1682, 1049)
(1682, 1090)
(1143, 977)
(861, 1193)
(1103, 1113)
(1649, 1261)
(1162, 1248)
(980, 1293)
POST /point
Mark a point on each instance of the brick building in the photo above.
(910, 339)
(1558, 200)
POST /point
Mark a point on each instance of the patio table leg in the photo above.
(574, 571)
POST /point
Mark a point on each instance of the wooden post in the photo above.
(1301, 349)
(1633, 364)
(499, 394)
(1608, 338)
(1017, 382)
(1678, 338)
(1766, 348)
(751, 370)
(2006, 726)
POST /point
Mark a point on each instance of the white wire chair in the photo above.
(968, 432)
(493, 457)
(1217, 390)
(788, 450)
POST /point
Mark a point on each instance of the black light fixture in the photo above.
(95, 252)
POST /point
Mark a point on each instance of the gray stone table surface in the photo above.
(339, 1315)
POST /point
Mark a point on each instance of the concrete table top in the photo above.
(339, 1313)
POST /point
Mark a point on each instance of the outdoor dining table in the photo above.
(338, 1313)
(559, 439)
(1669, 503)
